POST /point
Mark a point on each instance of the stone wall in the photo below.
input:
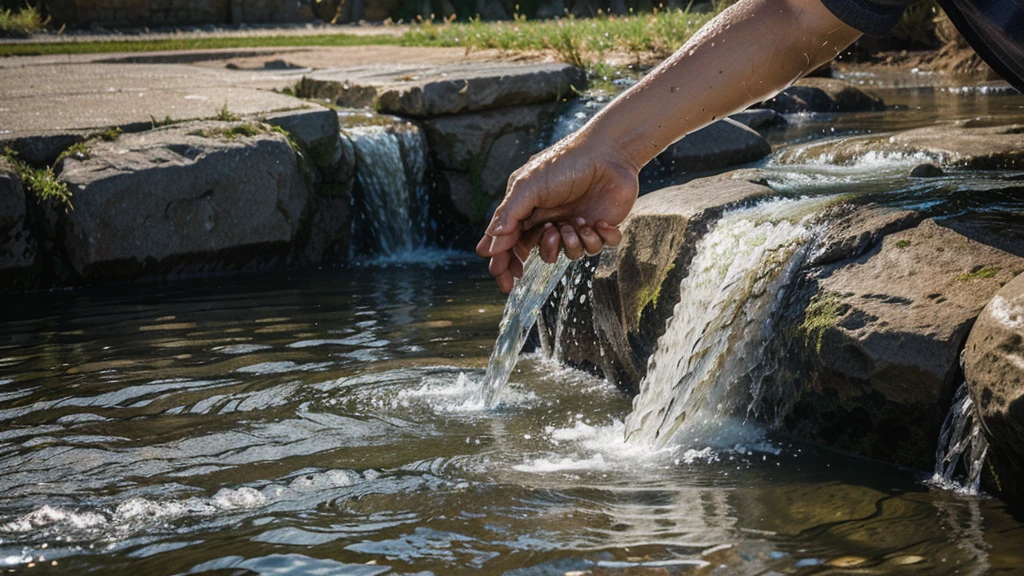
(130, 13)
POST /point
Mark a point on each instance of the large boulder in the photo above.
(718, 145)
(636, 285)
(423, 92)
(874, 340)
(203, 197)
(823, 95)
(17, 250)
(963, 145)
(316, 129)
(474, 154)
(994, 368)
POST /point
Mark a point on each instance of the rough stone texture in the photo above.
(719, 145)
(317, 131)
(121, 13)
(881, 336)
(994, 368)
(823, 95)
(962, 145)
(476, 153)
(17, 250)
(636, 285)
(421, 92)
(173, 201)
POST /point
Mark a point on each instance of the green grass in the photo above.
(25, 21)
(41, 182)
(582, 42)
(979, 274)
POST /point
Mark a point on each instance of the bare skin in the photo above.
(573, 195)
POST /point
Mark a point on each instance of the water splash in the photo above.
(719, 330)
(960, 438)
(391, 165)
(521, 311)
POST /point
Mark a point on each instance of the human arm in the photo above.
(587, 183)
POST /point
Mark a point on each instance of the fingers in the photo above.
(499, 268)
(550, 244)
(611, 235)
(592, 243)
(571, 242)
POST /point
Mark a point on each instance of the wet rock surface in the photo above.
(964, 145)
(183, 199)
(421, 91)
(823, 95)
(994, 368)
(636, 285)
(880, 335)
(17, 250)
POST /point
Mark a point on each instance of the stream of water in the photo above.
(335, 423)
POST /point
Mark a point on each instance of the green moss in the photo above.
(78, 151)
(25, 21)
(288, 136)
(111, 134)
(40, 182)
(167, 121)
(647, 296)
(902, 244)
(822, 313)
(980, 273)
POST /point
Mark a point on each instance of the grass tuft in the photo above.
(78, 151)
(226, 115)
(822, 313)
(41, 182)
(25, 21)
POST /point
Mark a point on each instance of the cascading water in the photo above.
(962, 444)
(721, 325)
(391, 168)
(521, 311)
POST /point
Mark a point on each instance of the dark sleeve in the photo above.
(872, 17)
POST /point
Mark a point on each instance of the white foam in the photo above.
(542, 465)
(463, 395)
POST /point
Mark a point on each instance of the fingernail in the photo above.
(581, 222)
(548, 224)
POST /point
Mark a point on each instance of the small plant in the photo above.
(78, 151)
(979, 274)
(226, 115)
(901, 244)
(23, 22)
(111, 134)
(822, 313)
(167, 121)
(41, 182)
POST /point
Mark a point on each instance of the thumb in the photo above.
(506, 225)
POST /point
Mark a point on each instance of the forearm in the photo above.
(745, 55)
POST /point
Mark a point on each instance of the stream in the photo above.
(334, 423)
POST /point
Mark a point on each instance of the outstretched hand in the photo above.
(571, 196)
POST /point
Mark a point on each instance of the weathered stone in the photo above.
(183, 199)
(422, 92)
(486, 147)
(994, 368)
(926, 170)
(962, 145)
(882, 334)
(719, 145)
(17, 250)
(854, 230)
(317, 131)
(636, 285)
(823, 95)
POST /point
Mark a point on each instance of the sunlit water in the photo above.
(331, 424)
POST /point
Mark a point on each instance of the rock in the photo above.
(759, 118)
(962, 145)
(876, 339)
(719, 145)
(17, 250)
(477, 152)
(317, 131)
(823, 95)
(926, 170)
(183, 199)
(854, 230)
(42, 149)
(636, 285)
(994, 368)
(423, 92)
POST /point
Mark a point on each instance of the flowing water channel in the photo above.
(336, 423)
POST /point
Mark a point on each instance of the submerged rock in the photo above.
(880, 336)
(823, 95)
(205, 197)
(17, 250)
(636, 285)
(994, 368)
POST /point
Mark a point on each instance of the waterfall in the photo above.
(961, 437)
(708, 359)
(391, 167)
(521, 310)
